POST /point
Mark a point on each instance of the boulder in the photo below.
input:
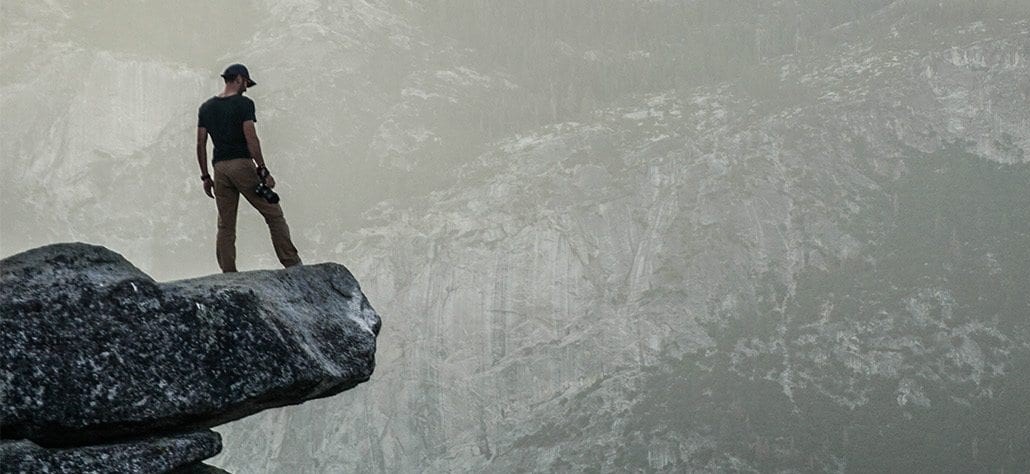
(93, 349)
(176, 453)
(199, 468)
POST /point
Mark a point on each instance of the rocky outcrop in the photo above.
(153, 454)
(95, 351)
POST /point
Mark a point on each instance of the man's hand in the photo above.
(208, 186)
(263, 174)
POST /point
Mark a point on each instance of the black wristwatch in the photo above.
(262, 172)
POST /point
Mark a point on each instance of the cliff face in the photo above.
(823, 271)
(625, 235)
(95, 351)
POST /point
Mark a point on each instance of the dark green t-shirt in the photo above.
(223, 118)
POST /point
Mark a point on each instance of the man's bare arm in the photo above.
(202, 161)
(253, 144)
(202, 150)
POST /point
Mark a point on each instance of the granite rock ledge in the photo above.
(176, 454)
(94, 351)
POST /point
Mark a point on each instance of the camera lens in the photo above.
(266, 193)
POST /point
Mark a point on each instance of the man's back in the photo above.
(228, 119)
(223, 118)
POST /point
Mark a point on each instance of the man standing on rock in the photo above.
(239, 168)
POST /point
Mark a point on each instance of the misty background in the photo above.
(604, 235)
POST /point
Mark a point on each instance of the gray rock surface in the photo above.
(625, 236)
(176, 453)
(93, 348)
(199, 468)
(826, 276)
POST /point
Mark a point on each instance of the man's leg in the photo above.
(245, 178)
(227, 199)
(277, 227)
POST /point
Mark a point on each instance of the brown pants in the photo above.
(235, 177)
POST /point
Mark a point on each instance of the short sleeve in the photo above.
(248, 110)
(200, 119)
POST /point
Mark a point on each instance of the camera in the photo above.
(266, 193)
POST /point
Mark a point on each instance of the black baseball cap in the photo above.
(239, 70)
